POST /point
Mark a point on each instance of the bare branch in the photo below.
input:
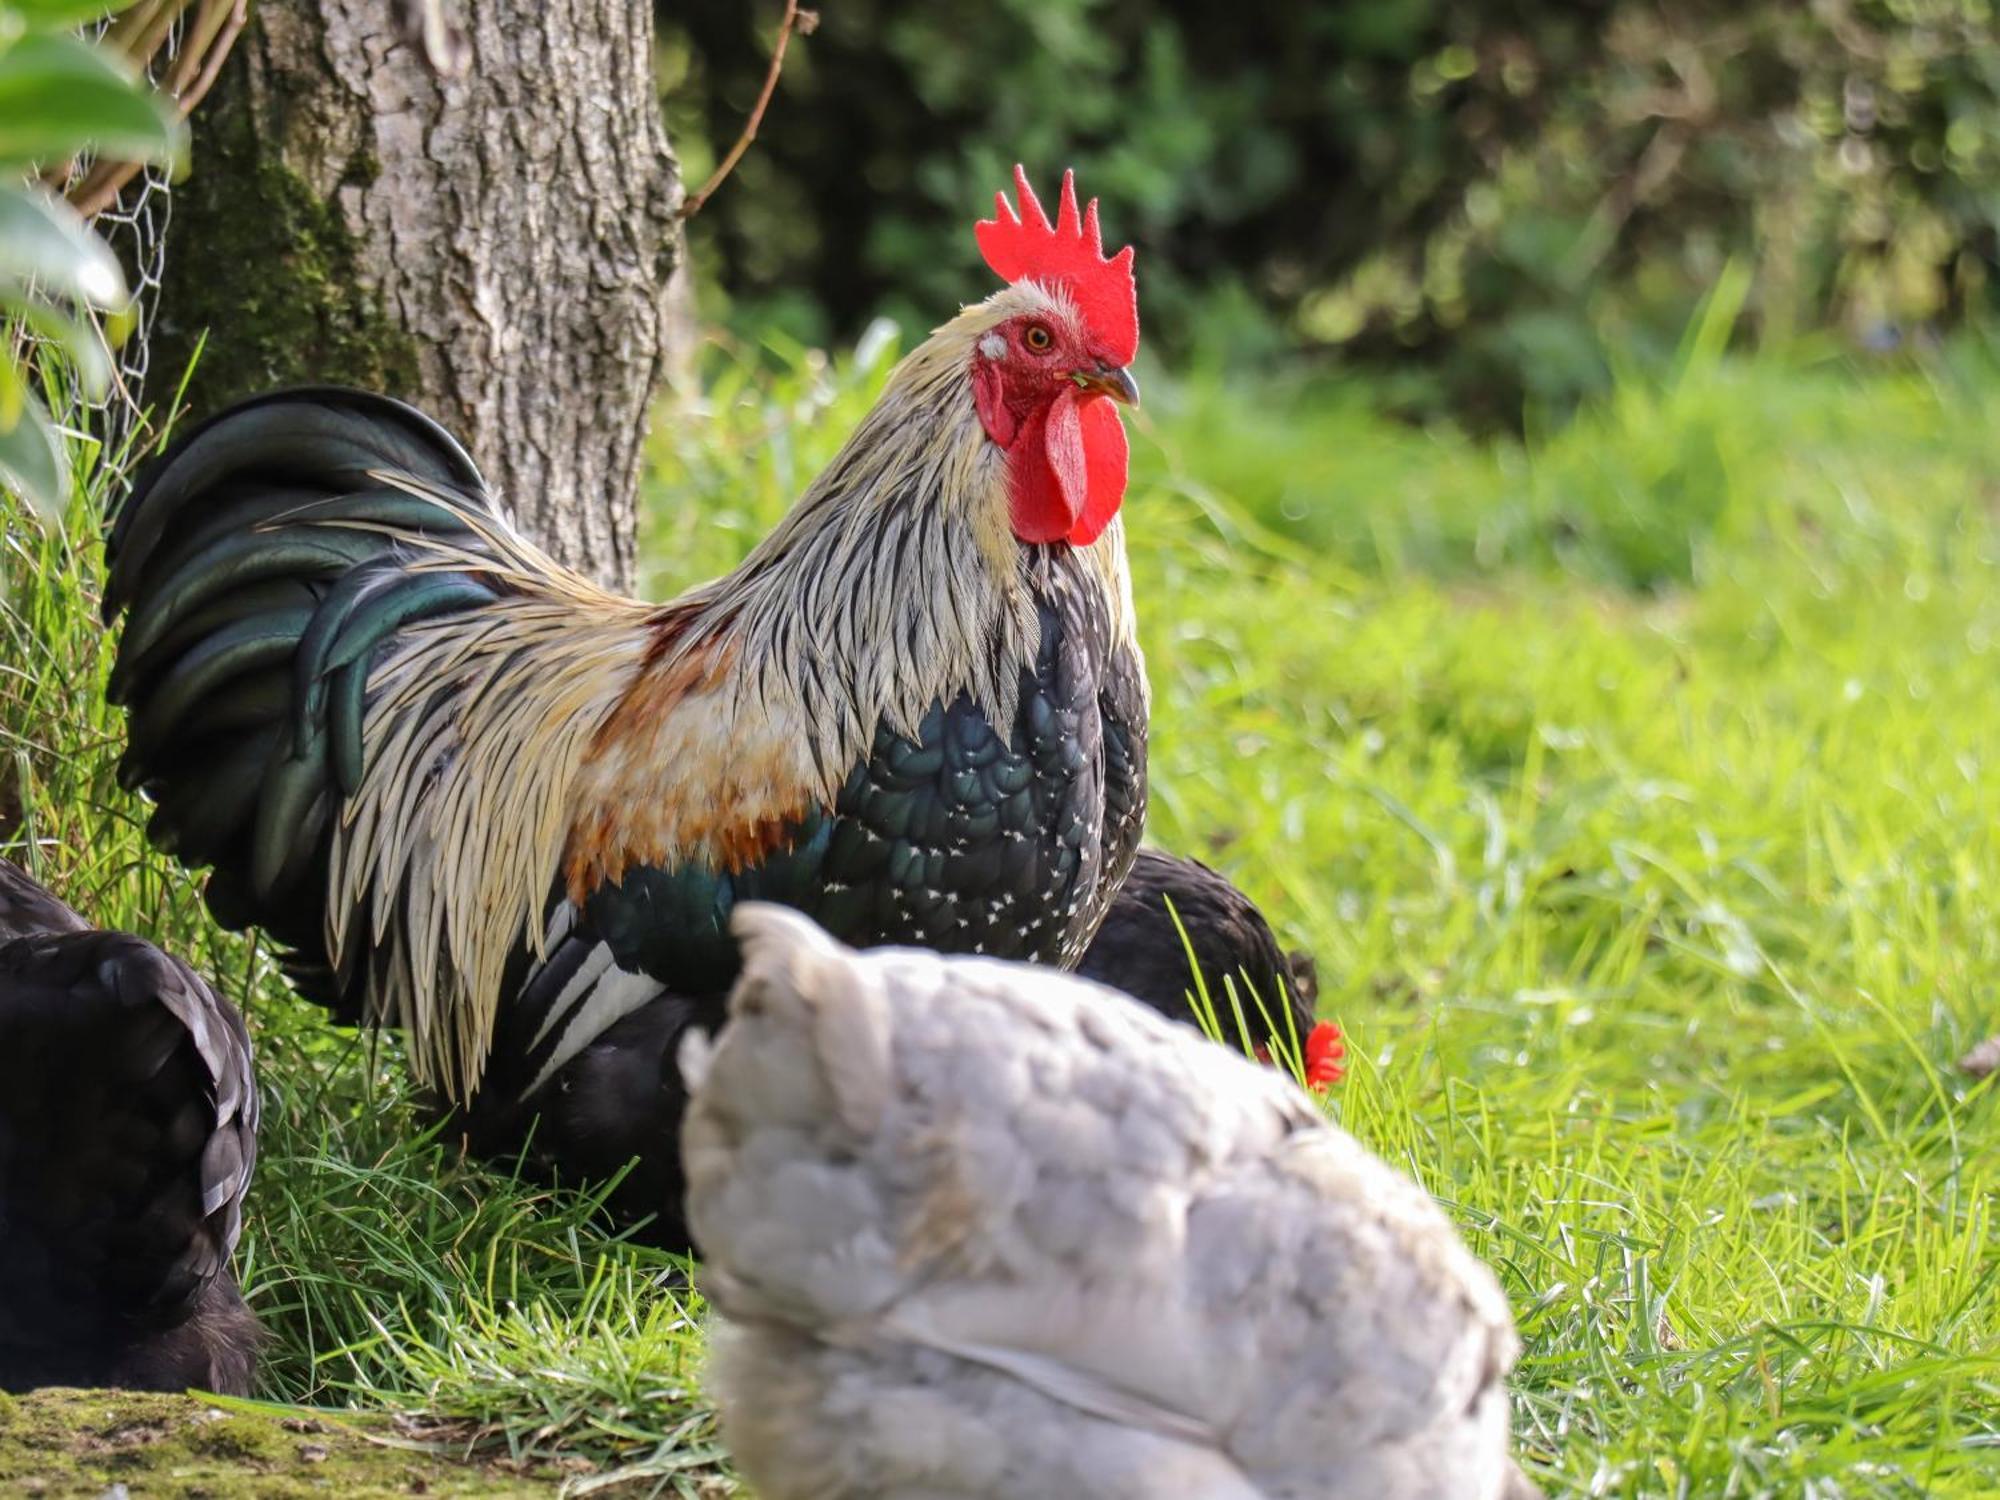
(801, 21)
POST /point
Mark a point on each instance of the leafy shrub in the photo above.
(1486, 201)
(59, 96)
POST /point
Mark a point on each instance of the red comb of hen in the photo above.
(1068, 253)
(1326, 1053)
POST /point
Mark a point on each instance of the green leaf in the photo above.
(13, 390)
(33, 463)
(59, 96)
(75, 337)
(61, 15)
(44, 240)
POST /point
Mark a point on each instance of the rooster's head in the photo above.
(1051, 356)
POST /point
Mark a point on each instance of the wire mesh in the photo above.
(180, 46)
(135, 225)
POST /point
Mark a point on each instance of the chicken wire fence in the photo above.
(135, 226)
(133, 221)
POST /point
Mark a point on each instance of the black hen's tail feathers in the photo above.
(260, 563)
(128, 1121)
(26, 908)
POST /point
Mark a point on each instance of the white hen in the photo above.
(979, 1230)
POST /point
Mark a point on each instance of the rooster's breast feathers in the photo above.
(1007, 840)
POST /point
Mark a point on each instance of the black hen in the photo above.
(128, 1129)
(1140, 949)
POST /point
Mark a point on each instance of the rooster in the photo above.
(474, 796)
(128, 1129)
(982, 1230)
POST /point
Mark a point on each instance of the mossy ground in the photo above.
(60, 1443)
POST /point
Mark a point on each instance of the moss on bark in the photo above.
(269, 271)
(493, 249)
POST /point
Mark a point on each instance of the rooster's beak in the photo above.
(1104, 380)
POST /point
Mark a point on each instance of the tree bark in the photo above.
(494, 247)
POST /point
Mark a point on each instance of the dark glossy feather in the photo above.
(128, 1127)
(1140, 949)
(251, 619)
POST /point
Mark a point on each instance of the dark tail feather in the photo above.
(267, 455)
(128, 1130)
(26, 908)
(259, 565)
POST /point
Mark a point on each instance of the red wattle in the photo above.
(1326, 1057)
(1067, 470)
(1105, 459)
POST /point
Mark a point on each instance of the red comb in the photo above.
(1069, 254)
(1326, 1051)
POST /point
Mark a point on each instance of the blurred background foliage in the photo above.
(1490, 206)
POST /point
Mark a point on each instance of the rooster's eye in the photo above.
(1038, 338)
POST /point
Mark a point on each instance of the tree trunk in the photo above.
(495, 248)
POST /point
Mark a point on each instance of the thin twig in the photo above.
(218, 54)
(207, 48)
(801, 21)
(140, 33)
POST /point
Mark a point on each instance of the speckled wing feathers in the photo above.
(1003, 840)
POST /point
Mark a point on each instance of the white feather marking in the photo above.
(615, 997)
(587, 974)
(697, 1052)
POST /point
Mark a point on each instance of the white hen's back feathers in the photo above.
(983, 1230)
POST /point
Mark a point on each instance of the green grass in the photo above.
(1637, 788)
